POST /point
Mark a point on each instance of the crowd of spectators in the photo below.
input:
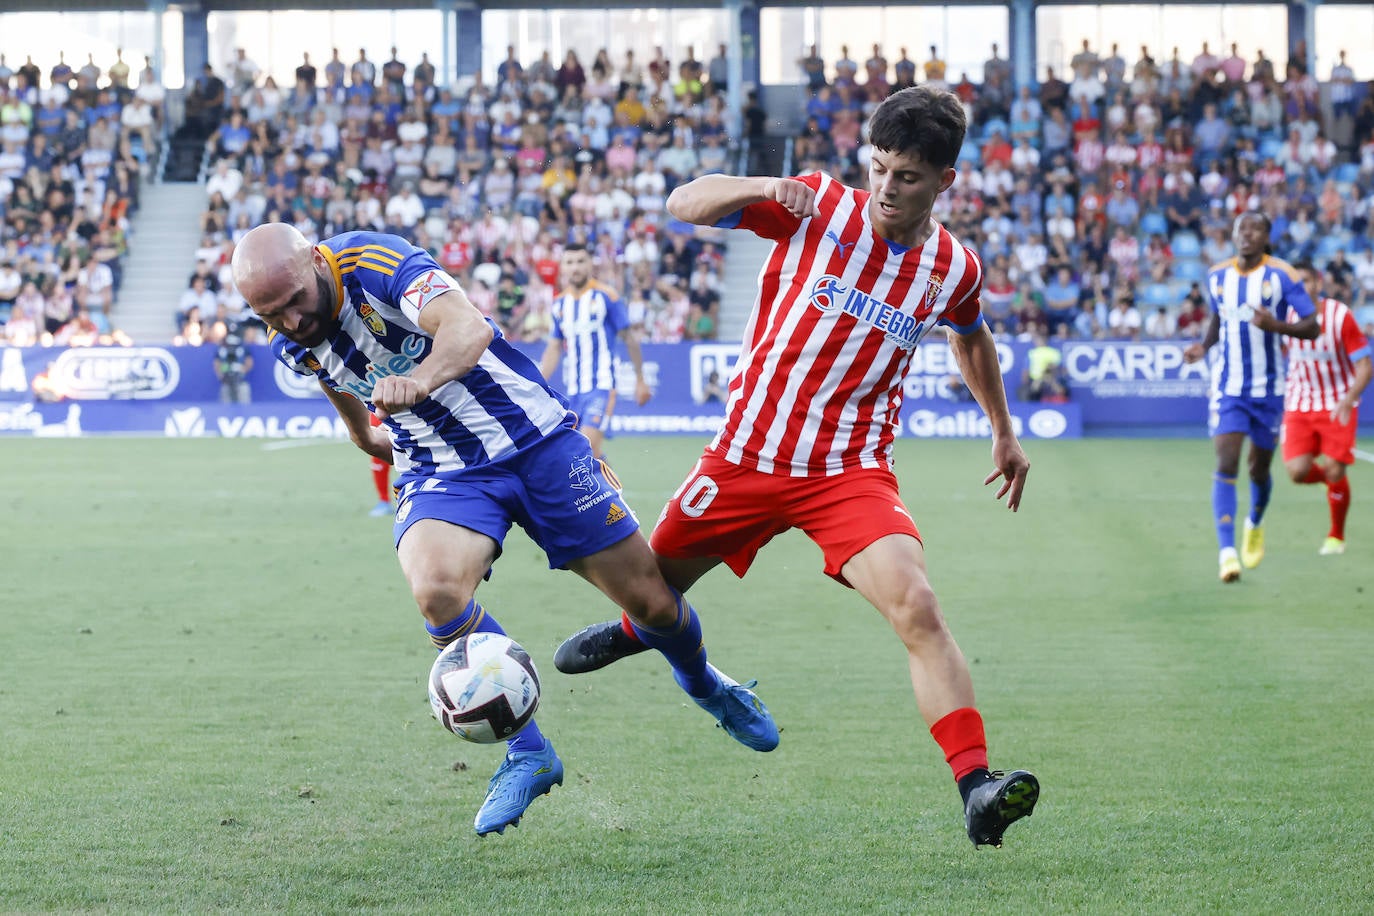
(493, 180)
(1099, 200)
(72, 155)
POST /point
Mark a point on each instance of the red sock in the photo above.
(381, 479)
(1314, 475)
(960, 736)
(626, 626)
(1338, 498)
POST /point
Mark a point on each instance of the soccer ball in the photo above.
(484, 688)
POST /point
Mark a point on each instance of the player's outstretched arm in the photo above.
(371, 439)
(706, 200)
(1196, 351)
(461, 335)
(976, 355)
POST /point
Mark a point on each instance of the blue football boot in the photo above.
(521, 778)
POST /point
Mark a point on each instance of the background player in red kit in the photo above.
(381, 481)
(1326, 377)
(854, 281)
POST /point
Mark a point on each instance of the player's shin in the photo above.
(682, 646)
(1224, 510)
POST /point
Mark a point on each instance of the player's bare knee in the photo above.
(1298, 471)
(651, 607)
(440, 599)
(916, 618)
(1334, 472)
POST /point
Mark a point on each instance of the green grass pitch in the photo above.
(212, 698)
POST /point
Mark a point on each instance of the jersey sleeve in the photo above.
(1355, 344)
(281, 349)
(769, 219)
(965, 313)
(617, 315)
(416, 281)
(1295, 296)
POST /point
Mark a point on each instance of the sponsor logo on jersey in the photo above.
(829, 294)
(580, 475)
(426, 287)
(373, 320)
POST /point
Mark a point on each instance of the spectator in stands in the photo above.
(205, 102)
(1124, 319)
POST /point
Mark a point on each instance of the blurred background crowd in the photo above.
(1098, 197)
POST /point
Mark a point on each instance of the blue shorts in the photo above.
(593, 408)
(568, 502)
(1258, 418)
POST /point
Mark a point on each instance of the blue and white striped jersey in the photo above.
(588, 324)
(498, 408)
(1251, 362)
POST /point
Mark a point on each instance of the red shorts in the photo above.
(727, 511)
(1313, 432)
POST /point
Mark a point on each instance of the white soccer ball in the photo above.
(484, 688)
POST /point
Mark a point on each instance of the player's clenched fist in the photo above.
(797, 198)
(396, 393)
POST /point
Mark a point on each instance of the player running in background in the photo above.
(480, 441)
(587, 319)
(1326, 377)
(855, 280)
(1254, 298)
(381, 479)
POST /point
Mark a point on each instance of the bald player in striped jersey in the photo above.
(588, 319)
(853, 283)
(1326, 378)
(480, 441)
(1257, 300)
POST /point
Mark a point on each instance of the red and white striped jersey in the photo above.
(1320, 371)
(839, 314)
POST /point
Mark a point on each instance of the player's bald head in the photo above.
(270, 259)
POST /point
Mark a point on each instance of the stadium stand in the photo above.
(493, 181)
(1126, 175)
(1119, 172)
(74, 155)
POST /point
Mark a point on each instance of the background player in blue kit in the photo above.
(479, 441)
(1255, 299)
(588, 317)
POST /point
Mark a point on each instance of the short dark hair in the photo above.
(576, 246)
(928, 122)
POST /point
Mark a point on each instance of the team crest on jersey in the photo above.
(933, 287)
(374, 321)
(1266, 290)
(426, 287)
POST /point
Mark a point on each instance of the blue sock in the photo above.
(1259, 498)
(475, 619)
(681, 644)
(1224, 509)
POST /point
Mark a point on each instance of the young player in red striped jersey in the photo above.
(1326, 377)
(855, 280)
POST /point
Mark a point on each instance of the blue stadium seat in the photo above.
(1152, 223)
(1185, 244)
(1190, 270)
(1269, 148)
(1347, 173)
(1154, 295)
(996, 125)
